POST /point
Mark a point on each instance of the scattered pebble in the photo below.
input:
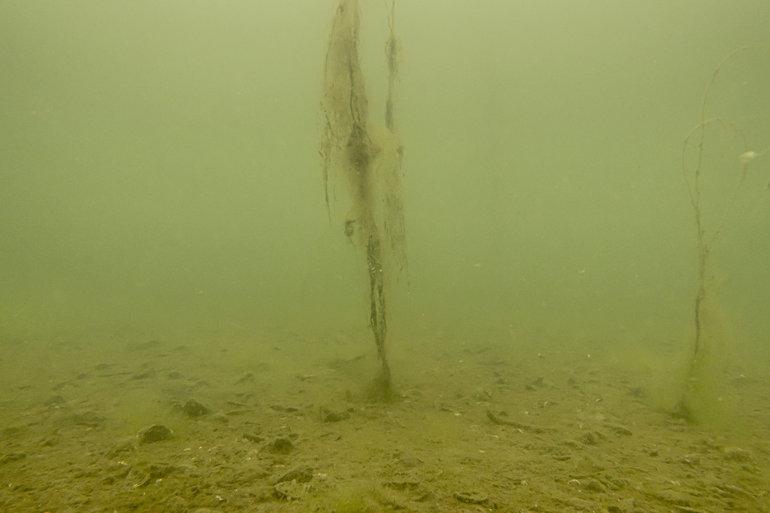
(301, 474)
(291, 490)
(471, 497)
(624, 506)
(157, 472)
(281, 445)
(11, 457)
(154, 433)
(692, 460)
(535, 384)
(121, 447)
(252, 438)
(596, 486)
(409, 461)
(194, 409)
(590, 438)
(221, 418)
(618, 429)
(86, 418)
(246, 378)
(328, 415)
(737, 454)
(54, 400)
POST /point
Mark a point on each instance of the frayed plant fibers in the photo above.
(697, 397)
(368, 160)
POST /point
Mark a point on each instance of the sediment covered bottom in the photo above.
(263, 423)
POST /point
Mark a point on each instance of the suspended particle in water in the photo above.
(350, 228)
(747, 157)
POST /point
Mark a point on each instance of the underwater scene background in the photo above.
(183, 327)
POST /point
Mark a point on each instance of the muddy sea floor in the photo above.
(278, 422)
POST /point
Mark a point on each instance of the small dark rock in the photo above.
(121, 447)
(409, 461)
(287, 409)
(154, 433)
(116, 472)
(406, 483)
(142, 346)
(301, 474)
(334, 416)
(693, 460)
(737, 454)
(158, 471)
(86, 418)
(471, 497)
(54, 400)
(194, 409)
(174, 504)
(281, 445)
(246, 378)
(537, 383)
(221, 418)
(252, 438)
(12, 431)
(238, 412)
(11, 457)
(590, 438)
(623, 506)
(143, 375)
(290, 490)
(619, 430)
(596, 486)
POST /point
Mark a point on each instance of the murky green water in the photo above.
(160, 180)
